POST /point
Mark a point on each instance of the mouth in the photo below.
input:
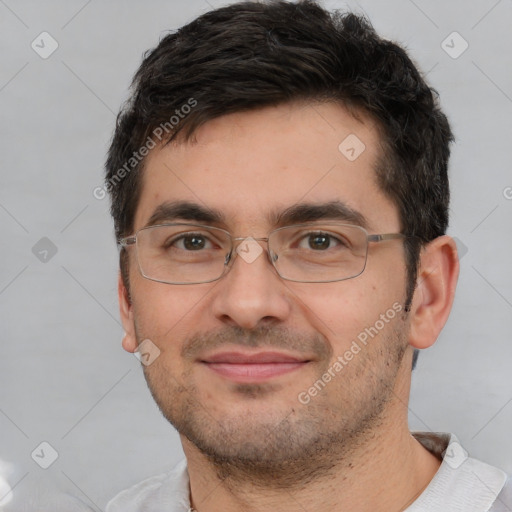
(244, 367)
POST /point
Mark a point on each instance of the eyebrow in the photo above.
(172, 211)
(308, 212)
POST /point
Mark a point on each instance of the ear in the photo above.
(435, 290)
(126, 310)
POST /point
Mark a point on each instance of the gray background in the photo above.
(66, 380)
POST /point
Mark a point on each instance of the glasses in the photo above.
(181, 253)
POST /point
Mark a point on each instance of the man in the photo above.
(280, 196)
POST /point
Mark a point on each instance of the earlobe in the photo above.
(126, 310)
(433, 299)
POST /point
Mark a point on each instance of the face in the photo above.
(255, 369)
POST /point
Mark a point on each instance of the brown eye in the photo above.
(190, 242)
(194, 243)
(319, 242)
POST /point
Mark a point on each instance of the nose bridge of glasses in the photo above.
(242, 238)
(239, 240)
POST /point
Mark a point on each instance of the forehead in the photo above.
(249, 166)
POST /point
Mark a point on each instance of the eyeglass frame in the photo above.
(131, 240)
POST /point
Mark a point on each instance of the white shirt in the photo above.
(461, 484)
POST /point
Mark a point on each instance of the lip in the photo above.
(248, 358)
(246, 367)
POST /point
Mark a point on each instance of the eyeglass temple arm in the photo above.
(386, 236)
(124, 242)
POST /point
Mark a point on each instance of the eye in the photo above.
(190, 242)
(320, 241)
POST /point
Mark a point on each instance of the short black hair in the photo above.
(250, 55)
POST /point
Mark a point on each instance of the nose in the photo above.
(251, 293)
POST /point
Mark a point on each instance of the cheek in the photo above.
(166, 314)
(342, 311)
(337, 314)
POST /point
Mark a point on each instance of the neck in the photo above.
(388, 470)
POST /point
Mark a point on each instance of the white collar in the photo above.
(461, 483)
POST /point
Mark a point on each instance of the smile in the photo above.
(253, 367)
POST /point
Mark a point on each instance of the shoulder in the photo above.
(169, 489)
(503, 502)
(462, 482)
